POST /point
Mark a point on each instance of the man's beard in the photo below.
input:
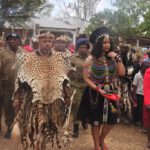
(45, 51)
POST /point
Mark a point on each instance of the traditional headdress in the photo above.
(98, 33)
(63, 38)
(47, 35)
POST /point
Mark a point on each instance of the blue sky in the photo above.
(59, 3)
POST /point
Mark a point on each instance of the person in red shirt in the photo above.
(34, 44)
(146, 87)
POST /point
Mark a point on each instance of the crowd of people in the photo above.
(37, 83)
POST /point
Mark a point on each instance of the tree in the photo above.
(125, 19)
(145, 25)
(82, 9)
(18, 11)
(116, 21)
(133, 9)
(138, 12)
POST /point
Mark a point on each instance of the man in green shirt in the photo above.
(82, 47)
(7, 77)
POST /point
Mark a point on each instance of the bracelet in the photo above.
(97, 89)
(117, 58)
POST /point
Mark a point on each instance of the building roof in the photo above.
(50, 23)
(44, 22)
(142, 41)
(78, 23)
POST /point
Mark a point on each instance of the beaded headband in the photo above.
(105, 35)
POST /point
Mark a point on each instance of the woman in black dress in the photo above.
(99, 100)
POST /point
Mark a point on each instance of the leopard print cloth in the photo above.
(43, 112)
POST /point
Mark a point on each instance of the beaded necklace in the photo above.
(107, 84)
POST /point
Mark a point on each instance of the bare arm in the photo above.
(120, 69)
(86, 75)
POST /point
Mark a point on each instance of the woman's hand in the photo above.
(112, 54)
(100, 91)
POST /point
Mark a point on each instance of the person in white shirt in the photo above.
(138, 97)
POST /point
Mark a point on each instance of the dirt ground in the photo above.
(122, 137)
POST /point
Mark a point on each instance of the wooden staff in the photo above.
(69, 112)
(24, 36)
(66, 138)
(2, 40)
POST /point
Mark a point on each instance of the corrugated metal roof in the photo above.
(143, 41)
(50, 23)
(78, 23)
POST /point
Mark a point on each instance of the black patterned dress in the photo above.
(94, 108)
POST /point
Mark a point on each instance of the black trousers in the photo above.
(6, 107)
(138, 111)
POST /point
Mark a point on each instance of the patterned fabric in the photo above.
(45, 75)
(40, 123)
(102, 68)
(43, 112)
(102, 72)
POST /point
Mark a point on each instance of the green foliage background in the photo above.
(126, 18)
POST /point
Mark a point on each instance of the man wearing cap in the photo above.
(7, 77)
(61, 43)
(82, 47)
(45, 44)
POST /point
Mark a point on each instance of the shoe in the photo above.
(8, 133)
(143, 130)
(84, 125)
(75, 130)
(138, 124)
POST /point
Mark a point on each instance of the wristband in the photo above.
(117, 58)
(97, 89)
